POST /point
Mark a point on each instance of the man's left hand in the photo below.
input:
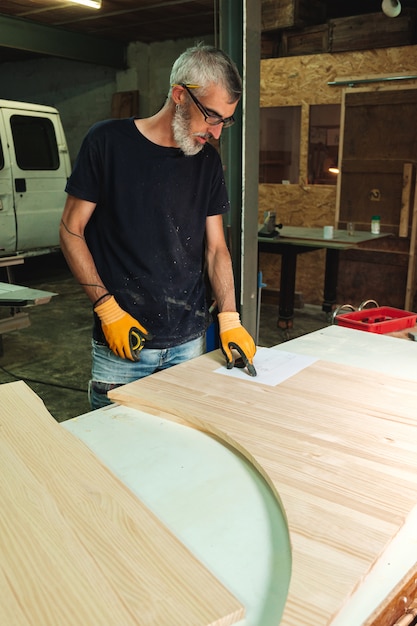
(234, 336)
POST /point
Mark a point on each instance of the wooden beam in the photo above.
(410, 287)
(405, 199)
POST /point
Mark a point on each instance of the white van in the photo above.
(34, 168)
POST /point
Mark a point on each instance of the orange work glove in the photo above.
(125, 336)
(233, 335)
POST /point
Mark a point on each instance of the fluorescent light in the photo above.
(93, 4)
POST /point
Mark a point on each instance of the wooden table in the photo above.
(337, 443)
(294, 240)
(16, 298)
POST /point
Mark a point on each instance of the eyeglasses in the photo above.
(210, 118)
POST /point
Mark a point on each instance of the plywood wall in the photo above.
(303, 81)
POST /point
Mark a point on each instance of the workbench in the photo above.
(18, 299)
(300, 498)
(291, 241)
(337, 443)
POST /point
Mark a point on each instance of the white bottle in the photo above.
(375, 225)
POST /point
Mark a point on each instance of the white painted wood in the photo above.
(214, 501)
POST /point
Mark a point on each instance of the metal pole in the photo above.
(240, 38)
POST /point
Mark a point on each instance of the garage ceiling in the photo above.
(120, 20)
(33, 28)
(26, 25)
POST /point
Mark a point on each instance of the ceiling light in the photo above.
(93, 4)
(391, 8)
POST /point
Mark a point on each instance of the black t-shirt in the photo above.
(146, 234)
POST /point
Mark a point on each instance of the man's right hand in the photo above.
(125, 336)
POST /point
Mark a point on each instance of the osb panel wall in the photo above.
(304, 205)
(302, 81)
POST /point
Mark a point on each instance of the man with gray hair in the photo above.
(143, 222)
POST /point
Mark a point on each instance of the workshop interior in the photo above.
(203, 495)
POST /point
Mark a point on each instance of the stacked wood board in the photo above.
(346, 34)
(277, 14)
(338, 446)
(77, 547)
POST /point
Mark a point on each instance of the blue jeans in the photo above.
(110, 371)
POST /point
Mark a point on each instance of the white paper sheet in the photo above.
(272, 366)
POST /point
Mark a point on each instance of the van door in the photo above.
(40, 167)
(7, 217)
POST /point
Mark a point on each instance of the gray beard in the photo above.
(181, 130)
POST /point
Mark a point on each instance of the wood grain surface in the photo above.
(77, 547)
(337, 444)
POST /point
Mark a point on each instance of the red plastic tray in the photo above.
(383, 319)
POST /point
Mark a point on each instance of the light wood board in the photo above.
(77, 547)
(15, 295)
(337, 444)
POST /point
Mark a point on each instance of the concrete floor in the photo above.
(52, 355)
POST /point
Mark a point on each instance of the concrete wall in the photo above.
(82, 92)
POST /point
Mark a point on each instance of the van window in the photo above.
(35, 143)
(1, 157)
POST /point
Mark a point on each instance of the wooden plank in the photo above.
(338, 446)
(364, 32)
(338, 217)
(358, 165)
(279, 14)
(411, 273)
(366, 126)
(408, 170)
(388, 96)
(77, 547)
(360, 275)
(15, 295)
(7, 261)
(312, 40)
(16, 321)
